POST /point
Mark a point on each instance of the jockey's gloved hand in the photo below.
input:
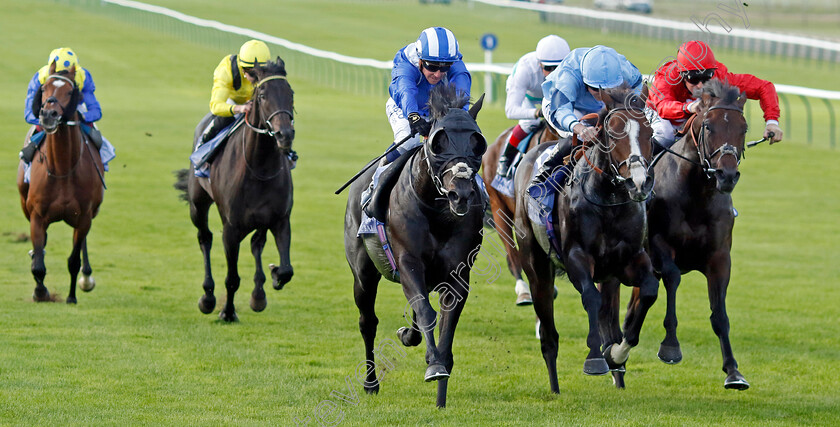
(418, 125)
(773, 132)
(585, 133)
(539, 113)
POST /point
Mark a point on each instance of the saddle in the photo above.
(378, 207)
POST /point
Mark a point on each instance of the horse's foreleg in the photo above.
(86, 281)
(639, 274)
(282, 274)
(503, 223)
(580, 267)
(231, 239)
(663, 261)
(452, 302)
(537, 267)
(198, 214)
(365, 285)
(38, 234)
(74, 261)
(414, 287)
(258, 301)
(717, 275)
(610, 327)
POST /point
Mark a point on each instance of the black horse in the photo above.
(600, 222)
(434, 224)
(691, 217)
(251, 183)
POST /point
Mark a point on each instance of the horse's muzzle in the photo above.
(460, 201)
(49, 119)
(726, 179)
(284, 138)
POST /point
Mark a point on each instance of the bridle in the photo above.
(614, 174)
(63, 107)
(726, 148)
(268, 130)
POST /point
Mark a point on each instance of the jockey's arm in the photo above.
(222, 90)
(515, 108)
(29, 115)
(663, 101)
(765, 92)
(403, 89)
(94, 111)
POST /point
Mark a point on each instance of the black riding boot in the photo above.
(506, 161)
(555, 159)
(218, 124)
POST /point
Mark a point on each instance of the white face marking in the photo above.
(726, 117)
(58, 83)
(637, 171)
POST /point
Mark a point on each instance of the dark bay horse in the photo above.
(691, 216)
(434, 225)
(600, 222)
(503, 207)
(251, 184)
(65, 181)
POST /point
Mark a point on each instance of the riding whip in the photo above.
(372, 162)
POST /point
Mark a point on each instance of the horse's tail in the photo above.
(182, 176)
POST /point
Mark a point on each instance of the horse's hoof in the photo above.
(71, 300)
(86, 283)
(407, 338)
(736, 381)
(207, 303)
(41, 296)
(229, 318)
(436, 372)
(280, 278)
(372, 390)
(258, 304)
(595, 366)
(524, 299)
(670, 354)
(614, 366)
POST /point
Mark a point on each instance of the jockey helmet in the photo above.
(695, 55)
(437, 44)
(551, 50)
(601, 68)
(64, 58)
(251, 52)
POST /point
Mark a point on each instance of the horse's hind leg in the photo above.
(282, 274)
(231, 238)
(74, 261)
(608, 322)
(38, 234)
(365, 284)
(258, 301)
(199, 209)
(669, 349)
(86, 282)
(717, 275)
(504, 226)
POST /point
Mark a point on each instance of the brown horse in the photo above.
(251, 184)
(691, 217)
(65, 181)
(600, 222)
(503, 207)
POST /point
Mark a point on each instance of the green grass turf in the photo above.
(137, 351)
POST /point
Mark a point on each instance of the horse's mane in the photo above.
(621, 96)
(443, 97)
(727, 93)
(272, 68)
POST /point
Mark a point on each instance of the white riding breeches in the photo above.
(400, 126)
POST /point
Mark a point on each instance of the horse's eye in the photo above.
(262, 96)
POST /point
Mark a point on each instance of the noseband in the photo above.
(615, 175)
(268, 130)
(63, 107)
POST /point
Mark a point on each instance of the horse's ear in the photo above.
(705, 99)
(52, 68)
(742, 99)
(281, 63)
(476, 107)
(71, 72)
(645, 92)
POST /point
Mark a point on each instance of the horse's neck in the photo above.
(63, 148)
(260, 150)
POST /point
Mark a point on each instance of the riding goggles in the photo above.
(548, 68)
(698, 76)
(437, 66)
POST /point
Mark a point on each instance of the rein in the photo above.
(700, 144)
